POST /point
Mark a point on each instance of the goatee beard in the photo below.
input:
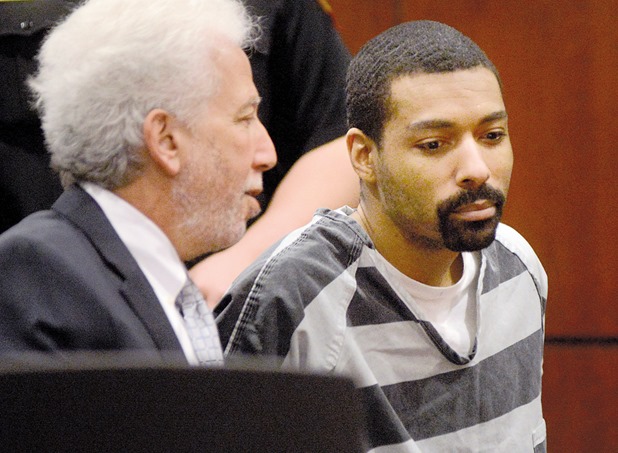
(468, 236)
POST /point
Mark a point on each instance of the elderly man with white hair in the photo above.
(150, 113)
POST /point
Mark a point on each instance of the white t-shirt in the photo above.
(451, 309)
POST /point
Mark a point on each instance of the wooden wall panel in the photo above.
(579, 399)
(359, 21)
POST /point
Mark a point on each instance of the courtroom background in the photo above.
(559, 65)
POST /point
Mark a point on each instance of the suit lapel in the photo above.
(81, 210)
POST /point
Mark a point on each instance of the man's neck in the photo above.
(150, 199)
(427, 265)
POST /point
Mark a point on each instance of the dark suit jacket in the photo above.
(67, 282)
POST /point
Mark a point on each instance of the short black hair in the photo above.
(409, 48)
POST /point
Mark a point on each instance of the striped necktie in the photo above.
(200, 325)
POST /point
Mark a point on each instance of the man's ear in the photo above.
(363, 152)
(161, 134)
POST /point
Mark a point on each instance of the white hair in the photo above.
(110, 62)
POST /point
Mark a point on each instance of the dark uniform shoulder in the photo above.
(325, 6)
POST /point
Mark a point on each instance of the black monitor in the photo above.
(100, 404)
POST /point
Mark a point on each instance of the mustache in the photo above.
(485, 192)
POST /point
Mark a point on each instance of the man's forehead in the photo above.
(442, 86)
(470, 95)
(480, 74)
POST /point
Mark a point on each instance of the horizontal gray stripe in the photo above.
(274, 294)
(305, 267)
(460, 399)
(541, 448)
(383, 425)
(502, 265)
(446, 350)
(369, 308)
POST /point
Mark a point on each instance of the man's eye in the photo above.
(247, 119)
(495, 136)
(430, 146)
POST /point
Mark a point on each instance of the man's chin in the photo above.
(232, 237)
(472, 245)
(254, 210)
(221, 241)
(471, 237)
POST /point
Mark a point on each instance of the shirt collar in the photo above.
(151, 248)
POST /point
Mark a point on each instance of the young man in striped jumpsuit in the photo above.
(421, 295)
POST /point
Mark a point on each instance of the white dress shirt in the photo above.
(154, 253)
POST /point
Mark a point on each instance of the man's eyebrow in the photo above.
(249, 106)
(430, 124)
(498, 115)
(444, 124)
(253, 102)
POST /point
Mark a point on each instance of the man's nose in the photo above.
(472, 169)
(265, 154)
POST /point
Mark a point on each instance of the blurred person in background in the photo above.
(27, 184)
(299, 67)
